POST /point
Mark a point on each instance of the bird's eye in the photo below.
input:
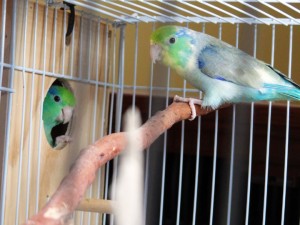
(172, 40)
(56, 98)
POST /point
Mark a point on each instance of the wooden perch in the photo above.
(96, 205)
(60, 208)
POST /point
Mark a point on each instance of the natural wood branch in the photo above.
(96, 205)
(59, 209)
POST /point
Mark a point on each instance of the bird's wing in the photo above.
(284, 77)
(224, 62)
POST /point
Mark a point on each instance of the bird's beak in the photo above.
(155, 52)
(65, 115)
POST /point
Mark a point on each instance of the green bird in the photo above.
(224, 73)
(58, 109)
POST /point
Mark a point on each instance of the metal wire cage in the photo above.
(236, 166)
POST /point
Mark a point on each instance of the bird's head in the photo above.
(172, 45)
(63, 102)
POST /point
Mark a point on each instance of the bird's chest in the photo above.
(195, 77)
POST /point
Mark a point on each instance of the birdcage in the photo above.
(236, 165)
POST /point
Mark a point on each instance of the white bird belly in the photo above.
(218, 92)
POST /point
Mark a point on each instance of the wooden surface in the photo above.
(31, 159)
(4, 96)
(96, 205)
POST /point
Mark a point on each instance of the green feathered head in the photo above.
(172, 45)
(56, 104)
(57, 109)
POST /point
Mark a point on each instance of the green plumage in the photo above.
(224, 74)
(57, 108)
(177, 55)
(162, 33)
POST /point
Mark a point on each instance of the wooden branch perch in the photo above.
(59, 209)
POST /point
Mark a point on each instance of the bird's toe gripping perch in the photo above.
(191, 101)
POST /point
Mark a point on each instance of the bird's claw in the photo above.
(192, 102)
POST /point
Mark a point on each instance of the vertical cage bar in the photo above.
(41, 110)
(11, 77)
(214, 171)
(180, 164)
(81, 218)
(114, 36)
(197, 159)
(104, 92)
(286, 155)
(31, 110)
(148, 150)
(215, 155)
(89, 192)
(89, 51)
(162, 195)
(268, 139)
(251, 140)
(80, 45)
(231, 166)
(105, 87)
(2, 40)
(197, 169)
(23, 114)
(232, 145)
(64, 40)
(181, 159)
(97, 79)
(104, 99)
(105, 74)
(121, 78)
(72, 50)
(119, 102)
(135, 64)
(107, 166)
(95, 107)
(180, 168)
(54, 40)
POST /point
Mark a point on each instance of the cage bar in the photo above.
(162, 194)
(3, 26)
(286, 153)
(31, 113)
(9, 105)
(23, 115)
(110, 84)
(179, 17)
(41, 110)
(250, 141)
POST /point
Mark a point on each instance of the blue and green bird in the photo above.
(58, 109)
(224, 73)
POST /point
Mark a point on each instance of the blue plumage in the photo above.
(224, 73)
(201, 63)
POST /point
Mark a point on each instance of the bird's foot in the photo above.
(192, 102)
(62, 140)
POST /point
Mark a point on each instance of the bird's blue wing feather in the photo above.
(223, 62)
(226, 63)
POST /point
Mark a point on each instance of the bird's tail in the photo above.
(290, 92)
(293, 94)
